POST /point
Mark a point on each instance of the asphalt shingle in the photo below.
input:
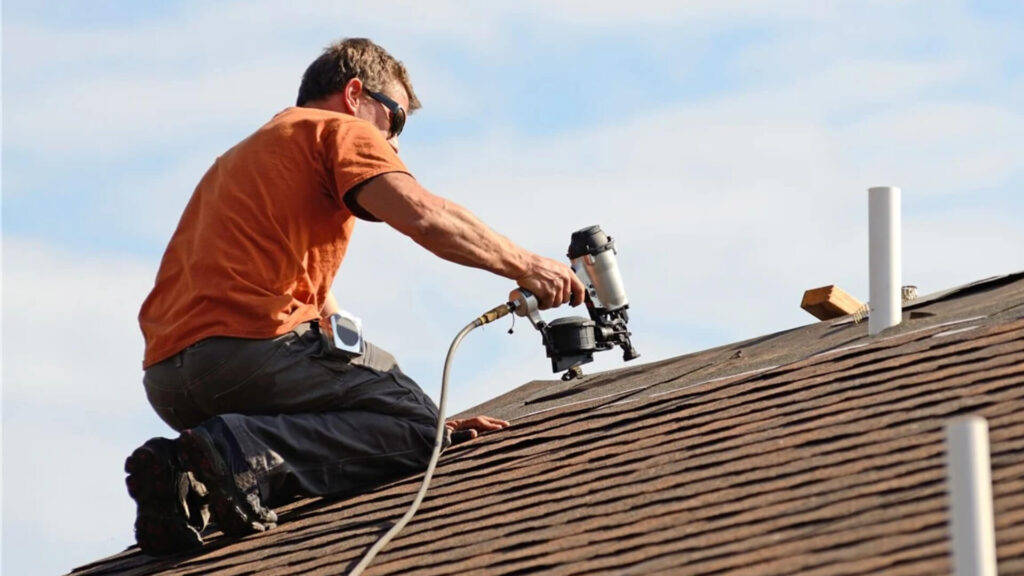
(817, 450)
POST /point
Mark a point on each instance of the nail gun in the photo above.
(572, 341)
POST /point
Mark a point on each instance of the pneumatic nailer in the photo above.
(571, 341)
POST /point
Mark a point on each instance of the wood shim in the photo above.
(829, 302)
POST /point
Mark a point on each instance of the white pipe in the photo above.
(884, 258)
(970, 496)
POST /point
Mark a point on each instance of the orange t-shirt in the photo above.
(262, 237)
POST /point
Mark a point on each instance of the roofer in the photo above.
(236, 359)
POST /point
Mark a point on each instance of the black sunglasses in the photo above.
(397, 112)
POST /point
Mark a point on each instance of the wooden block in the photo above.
(829, 302)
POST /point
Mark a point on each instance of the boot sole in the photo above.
(161, 527)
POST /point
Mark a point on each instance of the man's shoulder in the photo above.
(340, 133)
(298, 126)
(301, 115)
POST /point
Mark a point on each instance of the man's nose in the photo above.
(394, 143)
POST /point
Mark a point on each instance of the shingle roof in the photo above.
(816, 450)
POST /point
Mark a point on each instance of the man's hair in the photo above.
(354, 58)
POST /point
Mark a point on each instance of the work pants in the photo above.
(294, 420)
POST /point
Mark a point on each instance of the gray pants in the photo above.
(294, 421)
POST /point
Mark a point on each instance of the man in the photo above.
(235, 358)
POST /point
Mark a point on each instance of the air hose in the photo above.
(486, 318)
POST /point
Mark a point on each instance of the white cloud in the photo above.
(147, 205)
(73, 406)
(65, 488)
(78, 344)
(961, 246)
(938, 147)
(142, 87)
(115, 117)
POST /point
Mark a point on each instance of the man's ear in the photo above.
(351, 93)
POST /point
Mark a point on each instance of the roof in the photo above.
(817, 450)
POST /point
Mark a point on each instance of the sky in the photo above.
(726, 146)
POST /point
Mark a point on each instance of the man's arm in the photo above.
(455, 234)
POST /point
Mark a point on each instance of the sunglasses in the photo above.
(397, 112)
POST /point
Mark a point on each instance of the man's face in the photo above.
(378, 114)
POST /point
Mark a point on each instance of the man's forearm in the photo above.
(443, 227)
(455, 234)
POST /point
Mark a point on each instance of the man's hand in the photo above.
(553, 283)
(462, 430)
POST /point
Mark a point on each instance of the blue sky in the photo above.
(727, 146)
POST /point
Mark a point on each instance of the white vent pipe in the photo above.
(969, 475)
(884, 258)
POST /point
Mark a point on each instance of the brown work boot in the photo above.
(170, 503)
(235, 512)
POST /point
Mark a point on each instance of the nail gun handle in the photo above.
(524, 303)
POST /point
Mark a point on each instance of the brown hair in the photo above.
(354, 58)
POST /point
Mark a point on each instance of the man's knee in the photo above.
(423, 447)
